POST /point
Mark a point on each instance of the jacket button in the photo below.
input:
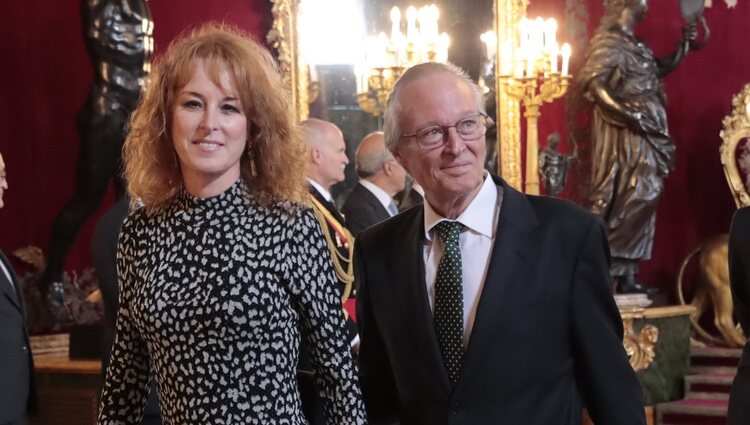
(25, 349)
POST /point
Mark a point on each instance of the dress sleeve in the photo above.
(312, 281)
(127, 380)
(609, 385)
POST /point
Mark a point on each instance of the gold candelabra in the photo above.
(530, 74)
(380, 82)
(533, 92)
(386, 58)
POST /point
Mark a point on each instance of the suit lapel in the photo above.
(328, 205)
(380, 212)
(409, 263)
(13, 291)
(509, 262)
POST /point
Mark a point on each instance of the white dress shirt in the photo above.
(326, 194)
(6, 272)
(475, 241)
(384, 198)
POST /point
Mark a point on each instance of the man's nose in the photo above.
(453, 142)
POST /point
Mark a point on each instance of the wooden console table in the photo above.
(67, 390)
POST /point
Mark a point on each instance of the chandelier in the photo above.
(386, 58)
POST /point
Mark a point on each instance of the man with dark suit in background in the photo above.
(326, 162)
(381, 177)
(485, 305)
(739, 277)
(17, 395)
(104, 257)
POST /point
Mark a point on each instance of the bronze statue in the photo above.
(119, 39)
(632, 151)
(553, 166)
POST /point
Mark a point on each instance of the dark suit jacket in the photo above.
(17, 394)
(546, 339)
(362, 209)
(739, 277)
(408, 198)
(104, 256)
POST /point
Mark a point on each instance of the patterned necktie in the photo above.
(449, 302)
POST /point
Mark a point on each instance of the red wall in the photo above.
(44, 79)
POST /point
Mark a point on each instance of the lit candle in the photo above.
(550, 34)
(382, 51)
(519, 59)
(538, 32)
(395, 22)
(313, 72)
(490, 44)
(565, 52)
(554, 51)
(506, 59)
(525, 33)
(411, 24)
(443, 44)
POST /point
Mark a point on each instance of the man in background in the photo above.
(17, 395)
(381, 177)
(326, 162)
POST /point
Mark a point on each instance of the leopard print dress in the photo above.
(215, 296)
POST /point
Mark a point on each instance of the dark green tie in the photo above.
(449, 300)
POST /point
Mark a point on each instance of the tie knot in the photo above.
(448, 231)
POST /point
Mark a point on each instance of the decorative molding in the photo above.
(508, 14)
(735, 128)
(640, 346)
(283, 37)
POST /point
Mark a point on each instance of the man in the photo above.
(632, 150)
(381, 177)
(326, 162)
(17, 390)
(483, 306)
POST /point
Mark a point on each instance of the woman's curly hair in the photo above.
(151, 167)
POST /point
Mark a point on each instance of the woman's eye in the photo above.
(192, 104)
(230, 108)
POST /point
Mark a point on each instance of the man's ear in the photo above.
(315, 156)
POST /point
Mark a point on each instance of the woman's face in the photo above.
(209, 131)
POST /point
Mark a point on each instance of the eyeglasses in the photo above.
(435, 136)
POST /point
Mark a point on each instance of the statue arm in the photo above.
(612, 107)
(669, 63)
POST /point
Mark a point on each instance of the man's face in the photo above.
(455, 170)
(3, 181)
(332, 157)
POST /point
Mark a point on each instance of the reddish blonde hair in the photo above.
(151, 167)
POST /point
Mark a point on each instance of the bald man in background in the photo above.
(325, 167)
(381, 177)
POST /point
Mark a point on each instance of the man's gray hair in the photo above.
(369, 165)
(391, 126)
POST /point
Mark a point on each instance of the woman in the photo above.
(739, 278)
(222, 268)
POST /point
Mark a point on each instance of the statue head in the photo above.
(637, 7)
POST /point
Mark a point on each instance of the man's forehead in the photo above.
(2, 163)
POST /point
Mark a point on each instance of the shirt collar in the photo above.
(475, 217)
(326, 194)
(379, 193)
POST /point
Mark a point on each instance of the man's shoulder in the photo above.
(552, 211)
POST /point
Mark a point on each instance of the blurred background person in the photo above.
(380, 178)
(739, 277)
(17, 395)
(220, 271)
(326, 161)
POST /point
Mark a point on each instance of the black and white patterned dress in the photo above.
(215, 295)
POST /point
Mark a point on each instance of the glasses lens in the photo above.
(430, 137)
(471, 127)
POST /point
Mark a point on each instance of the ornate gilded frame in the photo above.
(736, 127)
(283, 37)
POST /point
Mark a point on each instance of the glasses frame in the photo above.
(487, 124)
